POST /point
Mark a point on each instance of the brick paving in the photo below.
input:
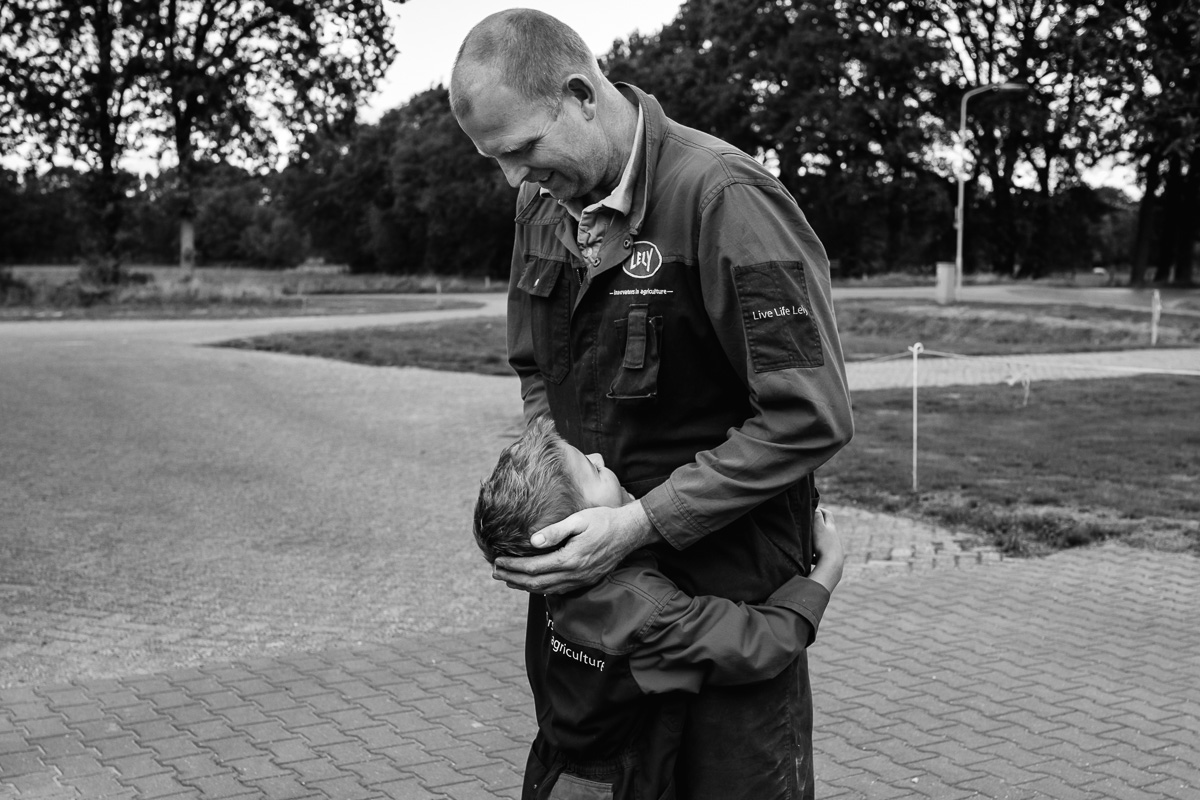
(1071, 676)
(942, 670)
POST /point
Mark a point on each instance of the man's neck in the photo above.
(620, 136)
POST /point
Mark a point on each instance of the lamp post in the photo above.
(962, 138)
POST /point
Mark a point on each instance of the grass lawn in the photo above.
(1085, 460)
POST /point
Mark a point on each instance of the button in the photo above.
(628, 243)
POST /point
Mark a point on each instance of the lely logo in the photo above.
(644, 261)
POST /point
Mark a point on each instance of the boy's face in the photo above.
(597, 483)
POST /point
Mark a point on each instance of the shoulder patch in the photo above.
(781, 332)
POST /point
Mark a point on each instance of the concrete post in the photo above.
(947, 283)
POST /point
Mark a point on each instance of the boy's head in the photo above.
(539, 480)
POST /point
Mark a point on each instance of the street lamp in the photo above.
(962, 138)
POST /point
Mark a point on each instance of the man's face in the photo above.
(597, 483)
(564, 154)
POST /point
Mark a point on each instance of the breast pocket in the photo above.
(640, 335)
(550, 315)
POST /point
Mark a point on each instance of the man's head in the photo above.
(529, 93)
(539, 480)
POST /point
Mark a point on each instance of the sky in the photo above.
(428, 33)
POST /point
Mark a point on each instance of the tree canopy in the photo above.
(855, 104)
(201, 79)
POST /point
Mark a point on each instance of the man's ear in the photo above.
(581, 89)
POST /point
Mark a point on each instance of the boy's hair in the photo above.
(529, 489)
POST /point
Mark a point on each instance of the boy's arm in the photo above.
(696, 640)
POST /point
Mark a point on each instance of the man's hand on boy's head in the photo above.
(597, 540)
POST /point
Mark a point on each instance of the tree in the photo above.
(1152, 46)
(207, 80)
(835, 94)
(74, 80)
(235, 74)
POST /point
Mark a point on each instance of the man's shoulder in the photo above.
(689, 154)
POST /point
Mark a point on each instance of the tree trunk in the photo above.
(1172, 195)
(1189, 210)
(895, 225)
(106, 200)
(1145, 222)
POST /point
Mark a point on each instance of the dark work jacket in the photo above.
(700, 356)
(607, 666)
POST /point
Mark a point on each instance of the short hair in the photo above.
(529, 489)
(531, 50)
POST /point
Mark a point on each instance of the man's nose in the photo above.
(514, 173)
(597, 459)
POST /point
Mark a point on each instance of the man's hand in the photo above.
(827, 570)
(599, 538)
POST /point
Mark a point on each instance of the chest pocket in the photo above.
(637, 377)
(550, 315)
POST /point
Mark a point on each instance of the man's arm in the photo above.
(767, 291)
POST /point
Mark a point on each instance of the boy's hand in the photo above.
(830, 556)
(599, 538)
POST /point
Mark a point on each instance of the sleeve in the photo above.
(696, 640)
(520, 341)
(765, 280)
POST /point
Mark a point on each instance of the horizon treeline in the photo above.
(856, 106)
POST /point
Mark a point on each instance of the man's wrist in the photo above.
(641, 529)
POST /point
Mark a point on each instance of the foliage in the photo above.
(855, 104)
(410, 194)
(234, 75)
(1151, 46)
(75, 77)
(833, 93)
(209, 79)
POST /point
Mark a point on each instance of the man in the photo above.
(669, 307)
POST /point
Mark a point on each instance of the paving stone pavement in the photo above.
(1071, 676)
(942, 670)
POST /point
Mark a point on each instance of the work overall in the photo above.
(633, 367)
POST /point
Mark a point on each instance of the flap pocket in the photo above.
(540, 276)
(549, 315)
(637, 379)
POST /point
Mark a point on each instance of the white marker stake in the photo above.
(916, 349)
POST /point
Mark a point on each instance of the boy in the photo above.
(608, 665)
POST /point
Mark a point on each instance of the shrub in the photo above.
(13, 290)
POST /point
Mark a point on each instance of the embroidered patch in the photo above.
(644, 261)
(780, 330)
